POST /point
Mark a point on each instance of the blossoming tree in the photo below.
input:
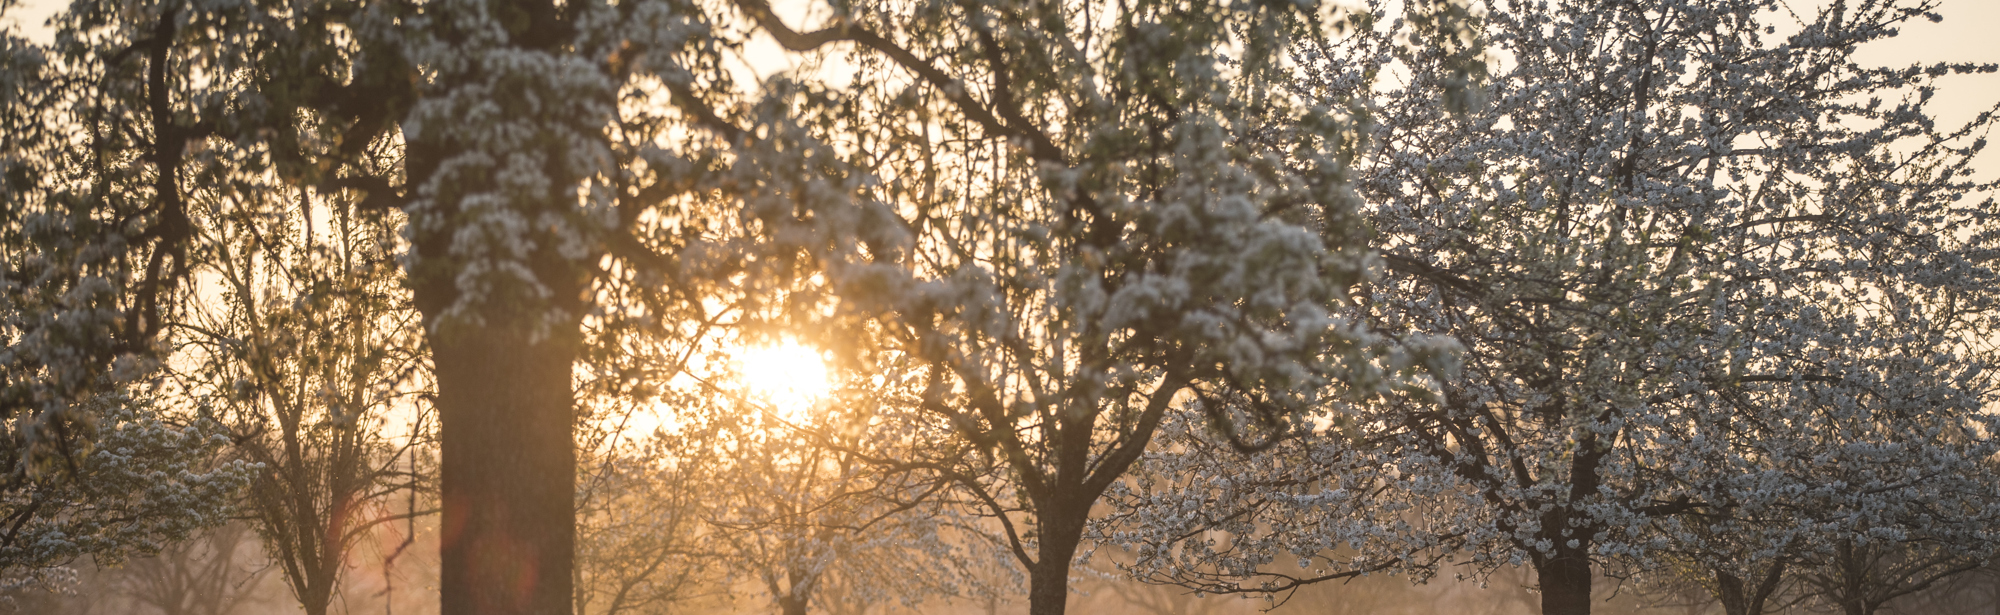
(1724, 293)
(1088, 219)
(1076, 216)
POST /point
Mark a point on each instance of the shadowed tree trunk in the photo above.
(504, 360)
(508, 471)
(1741, 598)
(796, 600)
(1048, 580)
(1565, 582)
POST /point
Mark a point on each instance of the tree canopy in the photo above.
(1581, 286)
(1725, 296)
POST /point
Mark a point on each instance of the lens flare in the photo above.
(788, 376)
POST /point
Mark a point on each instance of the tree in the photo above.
(796, 508)
(84, 269)
(1861, 577)
(144, 484)
(1744, 576)
(742, 486)
(640, 542)
(77, 346)
(1085, 219)
(111, 128)
(199, 576)
(307, 349)
(1706, 278)
(1115, 177)
(1847, 576)
(1756, 557)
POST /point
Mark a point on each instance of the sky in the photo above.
(1970, 32)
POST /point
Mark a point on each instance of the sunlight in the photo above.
(790, 377)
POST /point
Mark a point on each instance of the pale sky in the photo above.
(1970, 32)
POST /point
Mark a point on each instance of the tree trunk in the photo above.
(1854, 565)
(505, 401)
(509, 469)
(792, 605)
(1048, 586)
(316, 603)
(1729, 589)
(1741, 598)
(1048, 580)
(1565, 583)
(795, 598)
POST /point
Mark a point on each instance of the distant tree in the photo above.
(304, 344)
(1744, 577)
(640, 540)
(1718, 288)
(1848, 576)
(740, 490)
(1820, 551)
(795, 508)
(1972, 593)
(1860, 577)
(215, 573)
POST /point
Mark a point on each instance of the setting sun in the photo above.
(788, 376)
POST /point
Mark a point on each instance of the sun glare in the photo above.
(788, 376)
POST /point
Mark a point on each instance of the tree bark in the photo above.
(508, 470)
(1048, 579)
(317, 601)
(1565, 582)
(506, 406)
(795, 597)
(793, 605)
(1741, 598)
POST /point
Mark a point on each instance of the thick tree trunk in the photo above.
(509, 470)
(793, 605)
(1048, 586)
(1737, 597)
(317, 602)
(1729, 589)
(795, 598)
(1048, 580)
(1741, 598)
(503, 367)
(1565, 582)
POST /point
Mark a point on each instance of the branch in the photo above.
(953, 89)
(381, 195)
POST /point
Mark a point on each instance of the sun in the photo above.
(788, 376)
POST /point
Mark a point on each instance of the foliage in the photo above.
(306, 347)
(142, 483)
(639, 534)
(1088, 218)
(69, 323)
(740, 488)
(1719, 298)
